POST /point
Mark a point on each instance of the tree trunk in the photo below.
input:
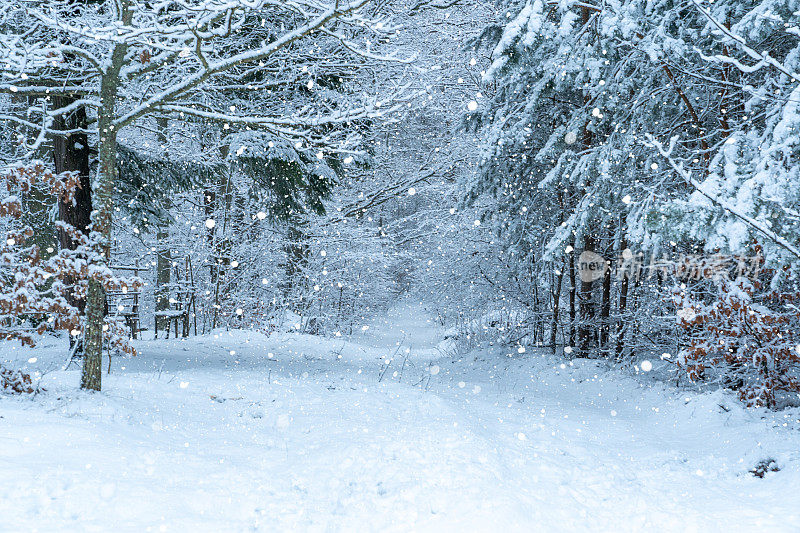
(164, 257)
(95, 305)
(623, 303)
(297, 254)
(209, 205)
(585, 296)
(222, 245)
(726, 109)
(163, 273)
(586, 329)
(556, 307)
(101, 222)
(537, 338)
(605, 305)
(71, 154)
(573, 289)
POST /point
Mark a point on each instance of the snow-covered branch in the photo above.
(763, 59)
(171, 93)
(720, 202)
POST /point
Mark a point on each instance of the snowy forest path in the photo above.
(382, 431)
(578, 447)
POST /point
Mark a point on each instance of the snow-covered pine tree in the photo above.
(744, 201)
(572, 91)
(752, 178)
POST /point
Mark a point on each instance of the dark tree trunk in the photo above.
(587, 310)
(725, 95)
(586, 329)
(297, 254)
(209, 204)
(164, 257)
(573, 289)
(605, 305)
(623, 303)
(537, 338)
(556, 306)
(71, 153)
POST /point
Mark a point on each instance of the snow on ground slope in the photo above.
(240, 432)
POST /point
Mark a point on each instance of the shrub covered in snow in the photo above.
(37, 290)
(15, 381)
(744, 336)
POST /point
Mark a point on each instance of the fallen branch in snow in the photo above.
(403, 366)
(389, 361)
(72, 352)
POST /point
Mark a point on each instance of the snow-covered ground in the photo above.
(240, 432)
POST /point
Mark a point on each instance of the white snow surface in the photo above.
(213, 434)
